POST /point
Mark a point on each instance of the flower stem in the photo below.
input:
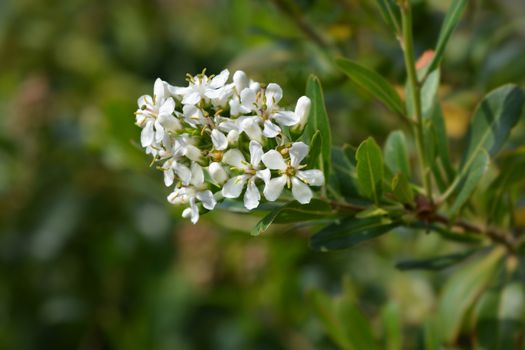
(415, 90)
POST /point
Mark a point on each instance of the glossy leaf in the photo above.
(350, 232)
(318, 121)
(370, 171)
(461, 291)
(396, 153)
(294, 212)
(374, 83)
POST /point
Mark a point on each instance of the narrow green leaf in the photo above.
(318, 121)
(470, 180)
(436, 263)
(401, 189)
(294, 212)
(460, 293)
(370, 171)
(350, 232)
(449, 24)
(374, 83)
(390, 12)
(314, 155)
(396, 153)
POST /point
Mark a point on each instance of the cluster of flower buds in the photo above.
(214, 139)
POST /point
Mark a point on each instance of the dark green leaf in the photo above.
(350, 232)
(396, 153)
(390, 12)
(449, 24)
(294, 212)
(374, 83)
(370, 171)
(435, 263)
(314, 155)
(461, 291)
(318, 121)
(401, 189)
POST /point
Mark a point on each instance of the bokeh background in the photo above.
(91, 254)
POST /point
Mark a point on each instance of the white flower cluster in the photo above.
(216, 139)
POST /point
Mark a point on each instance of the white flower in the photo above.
(302, 110)
(234, 186)
(185, 146)
(264, 103)
(155, 114)
(171, 168)
(202, 88)
(291, 174)
(196, 190)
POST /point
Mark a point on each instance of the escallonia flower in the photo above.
(291, 174)
(217, 140)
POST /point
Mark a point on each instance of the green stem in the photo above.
(415, 89)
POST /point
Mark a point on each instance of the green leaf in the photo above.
(401, 189)
(449, 24)
(436, 263)
(294, 212)
(344, 180)
(345, 323)
(460, 293)
(493, 120)
(314, 155)
(374, 83)
(318, 121)
(350, 232)
(390, 12)
(370, 171)
(470, 179)
(392, 328)
(396, 153)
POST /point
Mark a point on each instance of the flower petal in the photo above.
(286, 118)
(207, 199)
(197, 175)
(302, 110)
(274, 160)
(159, 90)
(256, 153)
(144, 101)
(301, 192)
(168, 106)
(192, 98)
(248, 99)
(251, 127)
(274, 187)
(148, 134)
(313, 177)
(219, 80)
(298, 152)
(169, 177)
(233, 187)
(270, 129)
(273, 94)
(252, 195)
(183, 172)
(234, 158)
(219, 140)
(264, 175)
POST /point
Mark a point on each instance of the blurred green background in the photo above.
(91, 254)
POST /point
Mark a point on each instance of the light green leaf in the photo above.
(493, 120)
(392, 328)
(461, 291)
(401, 189)
(449, 24)
(350, 232)
(396, 153)
(374, 83)
(370, 171)
(345, 323)
(470, 179)
(318, 121)
(294, 212)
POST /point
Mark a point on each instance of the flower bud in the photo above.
(302, 110)
(217, 173)
(240, 80)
